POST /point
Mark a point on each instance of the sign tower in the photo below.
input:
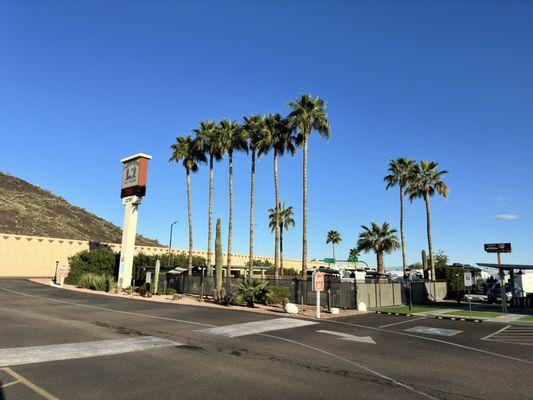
(134, 172)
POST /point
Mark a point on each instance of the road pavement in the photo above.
(59, 344)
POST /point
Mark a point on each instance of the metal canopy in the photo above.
(506, 266)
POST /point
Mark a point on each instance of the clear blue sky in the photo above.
(84, 84)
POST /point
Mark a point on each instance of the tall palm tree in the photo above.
(187, 151)
(353, 254)
(233, 138)
(254, 128)
(278, 137)
(209, 141)
(424, 182)
(285, 217)
(379, 239)
(334, 238)
(307, 115)
(400, 171)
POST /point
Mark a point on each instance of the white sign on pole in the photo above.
(468, 279)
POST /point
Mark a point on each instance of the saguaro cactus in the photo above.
(156, 276)
(218, 292)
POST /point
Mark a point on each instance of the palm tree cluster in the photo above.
(256, 135)
(417, 181)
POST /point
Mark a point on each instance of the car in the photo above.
(494, 294)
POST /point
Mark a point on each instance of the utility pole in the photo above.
(503, 292)
(170, 243)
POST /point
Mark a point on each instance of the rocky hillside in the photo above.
(26, 209)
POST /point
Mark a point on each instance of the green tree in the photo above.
(209, 141)
(424, 182)
(279, 138)
(400, 171)
(186, 149)
(379, 239)
(233, 138)
(334, 238)
(353, 254)
(101, 261)
(286, 221)
(254, 127)
(307, 115)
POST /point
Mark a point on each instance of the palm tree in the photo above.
(379, 239)
(353, 255)
(400, 171)
(286, 221)
(307, 114)
(209, 141)
(254, 128)
(425, 180)
(334, 238)
(186, 150)
(232, 138)
(279, 138)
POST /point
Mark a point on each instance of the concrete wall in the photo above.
(36, 256)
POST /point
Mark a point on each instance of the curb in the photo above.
(466, 319)
(394, 313)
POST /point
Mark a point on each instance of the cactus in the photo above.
(156, 276)
(217, 293)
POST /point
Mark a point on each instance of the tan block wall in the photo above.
(26, 256)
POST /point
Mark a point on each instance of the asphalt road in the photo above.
(190, 360)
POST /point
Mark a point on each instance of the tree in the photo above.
(353, 255)
(279, 138)
(254, 127)
(286, 221)
(209, 141)
(186, 149)
(379, 239)
(307, 115)
(400, 171)
(334, 238)
(424, 182)
(232, 138)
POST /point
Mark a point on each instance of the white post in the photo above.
(317, 304)
(129, 232)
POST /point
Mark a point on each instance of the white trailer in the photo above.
(525, 282)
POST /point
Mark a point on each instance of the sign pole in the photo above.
(318, 304)
(503, 292)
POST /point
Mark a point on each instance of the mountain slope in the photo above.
(26, 209)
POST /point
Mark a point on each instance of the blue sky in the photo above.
(86, 83)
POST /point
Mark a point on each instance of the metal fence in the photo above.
(340, 294)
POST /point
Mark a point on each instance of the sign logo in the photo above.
(318, 282)
(498, 247)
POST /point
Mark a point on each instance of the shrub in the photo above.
(92, 281)
(110, 283)
(144, 290)
(277, 294)
(250, 293)
(101, 260)
(167, 291)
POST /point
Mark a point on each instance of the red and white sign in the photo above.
(62, 272)
(134, 173)
(318, 282)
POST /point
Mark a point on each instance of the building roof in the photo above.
(506, 266)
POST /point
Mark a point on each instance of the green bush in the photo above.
(110, 283)
(101, 260)
(167, 291)
(277, 294)
(92, 281)
(145, 290)
(250, 293)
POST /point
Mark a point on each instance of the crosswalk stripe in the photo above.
(252, 328)
(69, 351)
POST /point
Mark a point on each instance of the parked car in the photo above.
(494, 294)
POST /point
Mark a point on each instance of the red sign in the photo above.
(318, 282)
(134, 172)
(62, 272)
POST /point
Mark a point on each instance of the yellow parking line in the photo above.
(9, 384)
(26, 382)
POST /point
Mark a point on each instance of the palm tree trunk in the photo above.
(252, 206)
(381, 267)
(230, 224)
(304, 222)
(333, 245)
(210, 217)
(402, 235)
(430, 243)
(276, 240)
(189, 216)
(281, 248)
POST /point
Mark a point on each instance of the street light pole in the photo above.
(170, 242)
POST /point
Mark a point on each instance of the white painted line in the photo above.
(253, 328)
(495, 333)
(402, 322)
(9, 384)
(57, 352)
(351, 338)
